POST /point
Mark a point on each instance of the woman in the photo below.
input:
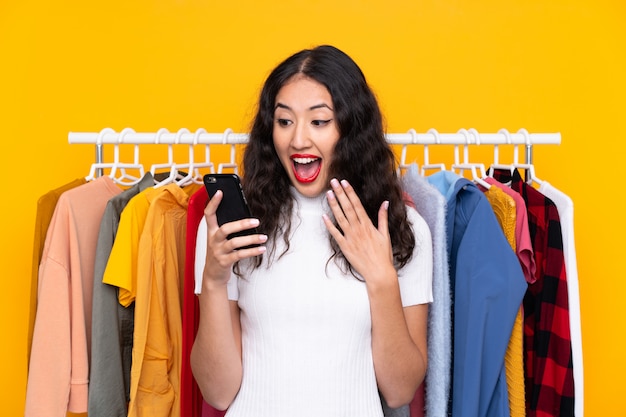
(329, 313)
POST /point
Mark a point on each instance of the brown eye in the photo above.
(321, 122)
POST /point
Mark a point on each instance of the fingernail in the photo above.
(386, 205)
(254, 222)
(344, 183)
(334, 182)
(330, 194)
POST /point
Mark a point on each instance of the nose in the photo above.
(300, 138)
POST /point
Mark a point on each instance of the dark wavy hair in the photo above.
(362, 155)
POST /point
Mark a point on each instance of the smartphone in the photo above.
(233, 205)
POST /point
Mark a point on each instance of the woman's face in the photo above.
(305, 133)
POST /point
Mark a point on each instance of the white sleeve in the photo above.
(200, 259)
(416, 277)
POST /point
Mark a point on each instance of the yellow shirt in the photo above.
(505, 210)
(157, 340)
(121, 269)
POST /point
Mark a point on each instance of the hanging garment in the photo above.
(59, 365)
(112, 324)
(192, 403)
(432, 206)
(157, 337)
(45, 209)
(402, 411)
(505, 210)
(121, 269)
(565, 207)
(514, 359)
(121, 273)
(190, 395)
(487, 287)
(523, 243)
(548, 349)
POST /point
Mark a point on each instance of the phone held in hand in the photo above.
(233, 205)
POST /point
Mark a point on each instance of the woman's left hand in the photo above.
(367, 248)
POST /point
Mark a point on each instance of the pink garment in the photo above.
(523, 243)
(59, 363)
(418, 405)
(208, 411)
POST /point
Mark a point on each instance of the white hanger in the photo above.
(193, 172)
(171, 164)
(124, 177)
(516, 164)
(402, 166)
(232, 164)
(170, 158)
(427, 165)
(97, 167)
(462, 166)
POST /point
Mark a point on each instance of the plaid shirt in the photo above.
(547, 342)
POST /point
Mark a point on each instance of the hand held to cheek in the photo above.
(367, 248)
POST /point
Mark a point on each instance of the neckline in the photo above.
(304, 203)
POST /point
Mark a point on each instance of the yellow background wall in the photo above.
(547, 66)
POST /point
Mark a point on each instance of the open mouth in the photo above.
(306, 168)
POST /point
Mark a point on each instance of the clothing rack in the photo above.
(184, 136)
(228, 137)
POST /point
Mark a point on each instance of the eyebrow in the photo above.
(317, 106)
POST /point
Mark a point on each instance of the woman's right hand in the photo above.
(221, 252)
